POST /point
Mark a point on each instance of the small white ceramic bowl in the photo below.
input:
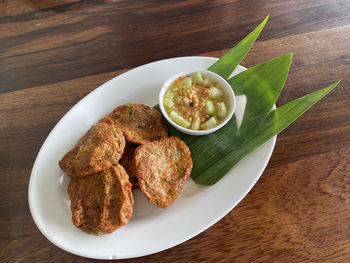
(231, 99)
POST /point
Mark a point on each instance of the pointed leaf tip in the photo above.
(265, 20)
(332, 86)
(228, 62)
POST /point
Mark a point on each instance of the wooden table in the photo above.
(52, 53)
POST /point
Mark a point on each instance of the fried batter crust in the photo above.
(101, 202)
(139, 123)
(100, 148)
(162, 168)
(127, 162)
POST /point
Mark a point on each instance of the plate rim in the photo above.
(150, 251)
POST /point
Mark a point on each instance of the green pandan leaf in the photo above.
(275, 121)
(262, 86)
(215, 154)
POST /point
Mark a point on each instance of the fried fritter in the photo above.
(127, 162)
(101, 202)
(100, 148)
(139, 123)
(162, 168)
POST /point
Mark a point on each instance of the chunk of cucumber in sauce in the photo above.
(222, 111)
(215, 93)
(210, 107)
(176, 117)
(169, 99)
(196, 124)
(211, 123)
(197, 77)
(186, 83)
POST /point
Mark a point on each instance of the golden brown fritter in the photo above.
(139, 123)
(162, 168)
(101, 202)
(100, 148)
(127, 162)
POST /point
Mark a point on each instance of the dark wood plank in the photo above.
(52, 53)
(79, 41)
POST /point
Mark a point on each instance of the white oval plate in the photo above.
(151, 229)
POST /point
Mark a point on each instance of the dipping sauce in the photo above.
(196, 102)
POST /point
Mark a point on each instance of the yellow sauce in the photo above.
(195, 102)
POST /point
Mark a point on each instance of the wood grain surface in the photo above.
(54, 52)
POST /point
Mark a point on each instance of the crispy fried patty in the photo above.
(100, 148)
(162, 168)
(101, 202)
(127, 162)
(139, 123)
